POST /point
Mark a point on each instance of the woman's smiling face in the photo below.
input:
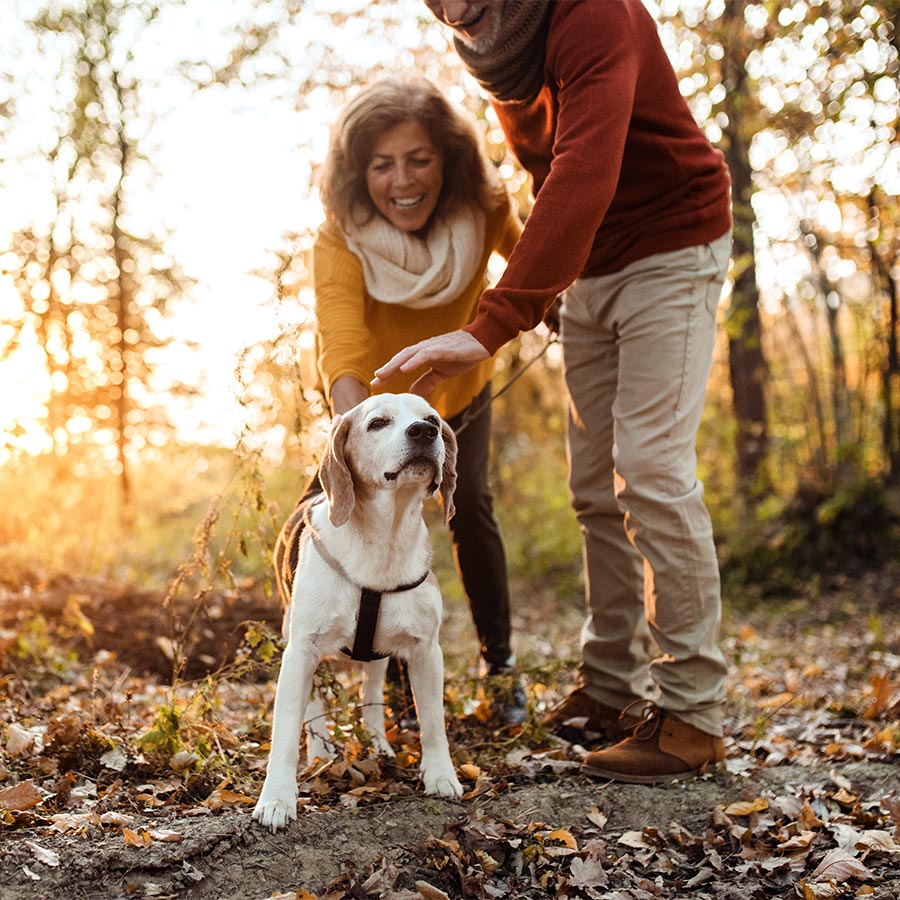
(405, 175)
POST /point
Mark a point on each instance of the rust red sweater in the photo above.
(620, 168)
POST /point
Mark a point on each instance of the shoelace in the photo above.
(649, 717)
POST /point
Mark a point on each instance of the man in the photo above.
(632, 219)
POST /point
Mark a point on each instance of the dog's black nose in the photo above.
(422, 432)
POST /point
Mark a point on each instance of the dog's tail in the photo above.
(286, 554)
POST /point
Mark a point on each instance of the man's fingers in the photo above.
(397, 363)
(445, 355)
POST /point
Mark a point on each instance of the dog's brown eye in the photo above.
(433, 419)
(376, 424)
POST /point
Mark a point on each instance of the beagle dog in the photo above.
(355, 562)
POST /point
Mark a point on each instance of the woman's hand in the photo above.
(446, 355)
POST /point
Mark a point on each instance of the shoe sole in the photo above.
(628, 778)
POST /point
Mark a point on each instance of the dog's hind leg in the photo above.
(426, 677)
(277, 804)
(373, 704)
(319, 743)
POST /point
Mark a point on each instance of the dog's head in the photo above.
(387, 441)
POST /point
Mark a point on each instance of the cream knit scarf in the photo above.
(512, 68)
(402, 268)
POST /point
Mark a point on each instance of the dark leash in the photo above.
(476, 409)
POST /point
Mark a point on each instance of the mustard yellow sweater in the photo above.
(356, 334)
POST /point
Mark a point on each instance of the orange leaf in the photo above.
(882, 694)
(845, 798)
(219, 798)
(136, 838)
(746, 807)
(807, 819)
(564, 837)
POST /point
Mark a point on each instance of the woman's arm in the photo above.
(346, 392)
(343, 336)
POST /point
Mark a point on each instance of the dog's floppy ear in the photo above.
(448, 473)
(335, 473)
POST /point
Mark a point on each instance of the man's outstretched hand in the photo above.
(445, 356)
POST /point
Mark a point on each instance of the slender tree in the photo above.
(94, 279)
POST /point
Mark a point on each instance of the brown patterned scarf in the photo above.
(512, 68)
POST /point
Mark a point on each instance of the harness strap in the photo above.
(367, 622)
(369, 602)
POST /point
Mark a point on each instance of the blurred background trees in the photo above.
(802, 431)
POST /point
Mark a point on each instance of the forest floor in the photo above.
(118, 780)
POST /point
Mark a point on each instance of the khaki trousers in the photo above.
(638, 349)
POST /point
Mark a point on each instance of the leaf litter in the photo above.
(110, 769)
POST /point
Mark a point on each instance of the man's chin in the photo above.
(487, 33)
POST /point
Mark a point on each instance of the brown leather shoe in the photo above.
(581, 719)
(660, 748)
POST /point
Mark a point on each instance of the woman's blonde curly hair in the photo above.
(468, 178)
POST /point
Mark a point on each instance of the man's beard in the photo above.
(488, 38)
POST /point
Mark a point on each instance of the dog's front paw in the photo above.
(441, 782)
(276, 807)
(275, 814)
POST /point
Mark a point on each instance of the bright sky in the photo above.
(233, 174)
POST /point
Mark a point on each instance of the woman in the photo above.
(413, 213)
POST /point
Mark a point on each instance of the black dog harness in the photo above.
(369, 603)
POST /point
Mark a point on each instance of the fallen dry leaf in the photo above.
(166, 835)
(115, 818)
(20, 741)
(469, 771)
(819, 891)
(74, 823)
(883, 690)
(588, 873)
(430, 892)
(42, 854)
(746, 807)
(565, 837)
(798, 841)
(635, 839)
(839, 865)
(807, 819)
(219, 798)
(877, 841)
(20, 796)
(136, 838)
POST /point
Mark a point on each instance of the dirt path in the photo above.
(227, 856)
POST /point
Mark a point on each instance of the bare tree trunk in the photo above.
(746, 361)
(122, 301)
(890, 428)
(840, 403)
(820, 454)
